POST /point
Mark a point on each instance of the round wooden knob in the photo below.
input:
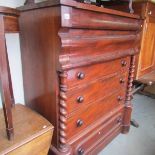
(80, 99)
(119, 120)
(120, 98)
(123, 63)
(122, 81)
(81, 151)
(81, 75)
(79, 123)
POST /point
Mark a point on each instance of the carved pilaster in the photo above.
(63, 146)
(128, 104)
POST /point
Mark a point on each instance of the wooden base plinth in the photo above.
(125, 129)
(54, 151)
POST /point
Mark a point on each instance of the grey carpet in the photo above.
(139, 141)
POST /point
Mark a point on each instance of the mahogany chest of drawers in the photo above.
(78, 67)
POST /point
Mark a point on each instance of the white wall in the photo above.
(11, 3)
(14, 56)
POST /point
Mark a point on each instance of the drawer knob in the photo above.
(123, 63)
(81, 151)
(122, 81)
(81, 75)
(120, 98)
(119, 120)
(79, 123)
(80, 99)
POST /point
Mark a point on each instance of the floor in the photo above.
(140, 141)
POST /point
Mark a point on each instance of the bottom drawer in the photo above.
(101, 135)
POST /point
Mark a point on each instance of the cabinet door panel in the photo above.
(147, 56)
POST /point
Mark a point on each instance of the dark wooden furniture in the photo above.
(8, 24)
(78, 67)
(145, 72)
(146, 62)
(103, 3)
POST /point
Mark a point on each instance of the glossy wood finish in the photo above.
(72, 17)
(147, 55)
(99, 71)
(75, 53)
(138, 7)
(8, 24)
(115, 80)
(70, 68)
(43, 94)
(31, 137)
(75, 4)
(146, 59)
(11, 24)
(92, 141)
(92, 112)
(9, 11)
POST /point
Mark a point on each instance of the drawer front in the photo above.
(101, 134)
(151, 10)
(87, 47)
(86, 74)
(95, 90)
(89, 114)
(78, 18)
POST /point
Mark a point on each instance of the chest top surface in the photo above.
(76, 4)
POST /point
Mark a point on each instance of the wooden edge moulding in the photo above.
(97, 3)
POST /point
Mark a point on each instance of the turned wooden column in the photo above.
(8, 24)
(128, 104)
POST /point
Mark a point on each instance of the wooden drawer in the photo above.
(86, 47)
(151, 10)
(82, 95)
(83, 75)
(100, 135)
(78, 18)
(89, 114)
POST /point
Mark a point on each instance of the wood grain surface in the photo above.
(79, 53)
(32, 133)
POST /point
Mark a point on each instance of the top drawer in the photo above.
(78, 18)
(151, 9)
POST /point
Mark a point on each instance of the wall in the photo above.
(11, 3)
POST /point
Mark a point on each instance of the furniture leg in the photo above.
(4, 83)
(10, 82)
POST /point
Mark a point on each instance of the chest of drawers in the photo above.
(78, 67)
